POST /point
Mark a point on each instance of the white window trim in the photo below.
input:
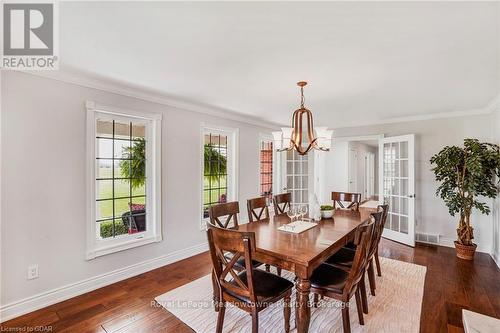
(233, 158)
(276, 168)
(96, 247)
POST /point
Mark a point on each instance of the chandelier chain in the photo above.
(302, 98)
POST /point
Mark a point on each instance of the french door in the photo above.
(296, 176)
(397, 186)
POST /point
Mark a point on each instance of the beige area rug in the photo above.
(396, 308)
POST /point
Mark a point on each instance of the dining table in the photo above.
(301, 253)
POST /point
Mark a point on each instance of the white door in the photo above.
(296, 176)
(353, 171)
(369, 175)
(397, 186)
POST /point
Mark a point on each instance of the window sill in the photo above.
(203, 224)
(125, 244)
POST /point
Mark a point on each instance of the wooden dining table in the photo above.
(302, 253)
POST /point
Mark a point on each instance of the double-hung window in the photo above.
(218, 174)
(124, 169)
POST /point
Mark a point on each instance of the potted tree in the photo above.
(466, 174)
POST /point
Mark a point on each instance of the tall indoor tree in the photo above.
(467, 175)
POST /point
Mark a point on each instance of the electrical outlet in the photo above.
(32, 272)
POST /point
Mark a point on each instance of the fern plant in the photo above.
(215, 164)
(466, 174)
(135, 167)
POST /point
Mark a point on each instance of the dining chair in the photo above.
(385, 209)
(344, 258)
(340, 284)
(228, 212)
(282, 203)
(353, 200)
(225, 216)
(258, 211)
(250, 290)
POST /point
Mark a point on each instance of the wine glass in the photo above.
(290, 213)
(304, 210)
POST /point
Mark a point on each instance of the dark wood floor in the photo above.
(451, 284)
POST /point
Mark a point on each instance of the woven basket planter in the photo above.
(465, 252)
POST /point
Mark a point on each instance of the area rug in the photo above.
(395, 308)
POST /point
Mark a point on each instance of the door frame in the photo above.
(390, 234)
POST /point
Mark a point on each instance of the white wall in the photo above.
(432, 135)
(43, 182)
(496, 205)
(332, 169)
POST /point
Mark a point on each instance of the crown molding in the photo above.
(94, 81)
(493, 105)
(149, 95)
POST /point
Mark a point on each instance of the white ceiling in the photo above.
(365, 62)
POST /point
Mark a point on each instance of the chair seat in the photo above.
(267, 286)
(343, 257)
(329, 278)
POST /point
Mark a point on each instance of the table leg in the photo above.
(303, 313)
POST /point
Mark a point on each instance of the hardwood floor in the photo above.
(127, 306)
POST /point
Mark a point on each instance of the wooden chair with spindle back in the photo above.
(340, 284)
(353, 200)
(282, 203)
(258, 211)
(250, 290)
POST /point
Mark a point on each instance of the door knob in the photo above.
(411, 196)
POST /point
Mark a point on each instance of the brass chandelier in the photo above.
(299, 137)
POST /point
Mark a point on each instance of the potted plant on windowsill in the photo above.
(466, 174)
(327, 211)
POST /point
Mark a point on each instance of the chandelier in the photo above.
(299, 137)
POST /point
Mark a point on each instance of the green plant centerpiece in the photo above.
(326, 211)
(326, 207)
(466, 174)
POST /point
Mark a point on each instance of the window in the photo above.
(297, 176)
(266, 169)
(124, 179)
(218, 167)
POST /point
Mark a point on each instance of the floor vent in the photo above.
(428, 238)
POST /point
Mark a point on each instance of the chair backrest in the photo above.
(228, 210)
(385, 210)
(378, 227)
(257, 209)
(353, 200)
(360, 257)
(282, 202)
(240, 244)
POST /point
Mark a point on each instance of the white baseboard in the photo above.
(449, 242)
(30, 304)
(496, 258)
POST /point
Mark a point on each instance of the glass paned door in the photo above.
(397, 172)
(296, 177)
